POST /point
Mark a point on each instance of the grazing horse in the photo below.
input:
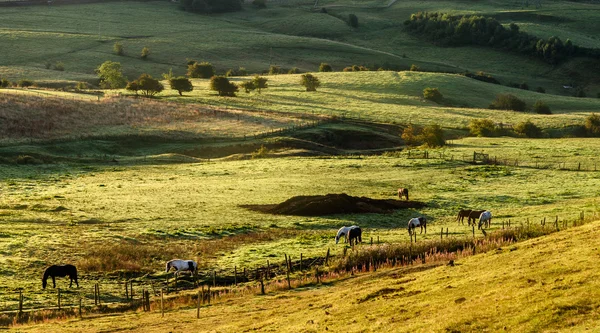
(343, 232)
(403, 192)
(474, 215)
(60, 271)
(417, 222)
(462, 214)
(355, 234)
(182, 265)
(485, 219)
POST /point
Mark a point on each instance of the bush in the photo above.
(482, 127)
(210, 6)
(310, 82)
(325, 67)
(592, 125)
(260, 83)
(353, 20)
(25, 83)
(248, 86)
(528, 129)
(524, 86)
(48, 65)
(242, 71)
(118, 48)
(432, 94)
(27, 159)
(230, 72)
(294, 70)
(111, 75)
(82, 86)
(540, 90)
(145, 53)
(202, 70)
(508, 102)
(432, 136)
(147, 84)
(541, 108)
(4, 83)
(414, 68)
(181, 84)
(409, 135)
(274, 70)
(347, 69)
(222, 85)
(481, 76)
(59, 66)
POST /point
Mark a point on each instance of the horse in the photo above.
(417, 222)
(462, 214)
(474, 215)
(343, 232)
(182, 265)
(403, 192)
(60, 271)
(485, 219)
(355, 234)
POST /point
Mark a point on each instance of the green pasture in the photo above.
(286, 34)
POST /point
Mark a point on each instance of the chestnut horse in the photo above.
(403, 192)
(462, 214)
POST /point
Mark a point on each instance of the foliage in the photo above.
(432, 94)
(222, 85)
(59, 66)
(414, 68)
(111, 75)
(294, 70)
(409, 135)
(82, 86)
(448, 30)
(24, 83)
(118, 49)
(353, 20)
(241, 71)
(210, 6)
(260, 82)
(325, 67)
(181, 84)
(541, 108)
(4, 83)
(248, 86)
(432, 136)
(540, 90)
(147, 84)
(482, 127)
(528, 129)
(481, 76)
(508, 102)
(310, 82)
(524, 86)
(145, 53)
(592, 124)
(168, 76)
(274, 70)
(261, 152)
(202, 70)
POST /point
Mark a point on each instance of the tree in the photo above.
(528, 129)
(203, 70)
(59, 66)
(432, 94)
(482, 127)
(4, 83)
(24, 83)
(273, 70)
(145, 53)
(248, 86)
(147, 84)
(260, 82)
(508, 102)
(592, 125)
(325, 67)
(222, 85)
(181, 84)
(111, 75)
(294, 70)
(353, 20)
(414, 68)
(310, 82)
(118, 48)
(409, 135)
(432, 136)
(541, 108)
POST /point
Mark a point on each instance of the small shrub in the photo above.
(432, 94)
(4, 83)
(242, 71)
(481, 76)
(528, 129)
(482, 127)
(524, 86)
(592, 125)
(414, 68)
(24, 83)
(508, 102)
(147, 84)
(261, 152)
(274, 70)
(248, 86)
(353, 20)
(48, 65)
(310, 82)
(82, 86)
(260, 83)
(118, 49)
(540, 90)
(202, 70)
(145, 53)
(229, 73)
(59, 66)
(409, 135)
(294, 70)
(541, 108)
(347, 69)
(432, 136)
(26, 159)
(325, 67)
(222, 85)
(181, 84)
(169, 75)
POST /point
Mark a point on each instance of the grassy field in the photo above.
(286, 34)
(541, 285)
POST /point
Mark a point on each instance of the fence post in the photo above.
(20, 301)
(148, 300)
(300, 261)
(59, 298)
(235, 275)
(288, 278)
(80, 315)
(446, 232)
(327, 257)
(442, 233)
(198, 303)
(162, 302)
(371, 240)
(214, 278)
(473, 231)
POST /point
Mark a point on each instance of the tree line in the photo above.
(447, 30)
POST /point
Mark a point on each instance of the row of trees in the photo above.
(447, 30)
(487, 128)
(212, 6)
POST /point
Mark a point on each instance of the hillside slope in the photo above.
(545, 284)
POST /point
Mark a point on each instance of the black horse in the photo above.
(60, 271)
(355, 234)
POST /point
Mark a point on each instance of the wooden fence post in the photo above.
(288, 278)
(377, 239)
(20, 301)
(442, 233)
(300, 261)
(80, 315)
(148, 300)
(371, 240)
(126, 290)
(446, 232)
(162, 302)
(473, 231)
(131, 289)
(327, 256)
(198, 303)
(214, 278)
(235, 275)
(59, 298)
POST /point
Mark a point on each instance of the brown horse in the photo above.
(403, 192)
(462, 214)
(474, 215)
(355, 235)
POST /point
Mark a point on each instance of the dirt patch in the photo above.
(318, 205)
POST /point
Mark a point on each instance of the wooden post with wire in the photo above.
(198, 303)
(59, 298)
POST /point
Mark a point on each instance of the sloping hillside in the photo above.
(545, 284)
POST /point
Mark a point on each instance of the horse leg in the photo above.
(53, 282)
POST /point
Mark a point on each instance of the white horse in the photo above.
(182, 265)
(343, 232)
(485, 219)
(417, 222)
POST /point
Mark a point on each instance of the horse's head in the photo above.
(44, 282)
(168, 266)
